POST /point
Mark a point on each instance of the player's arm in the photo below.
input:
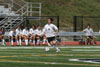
(56, 29)
(92, 33)
(99, 31)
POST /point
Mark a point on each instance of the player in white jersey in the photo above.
(25, 35)
(19, 35)
(32, 34)
(89, 34)
(38, 34)
(51, 31)
(12, 35)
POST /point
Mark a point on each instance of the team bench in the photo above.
(78, 38)
(73, 38)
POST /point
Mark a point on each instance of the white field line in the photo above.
(42, 47)
(82, 61)
(50, 55)
(86, 50)
(42, 62)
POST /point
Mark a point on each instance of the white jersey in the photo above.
(38, 32)
(89, 32)
(32, 31)
(11, 33)
(99, 31)
(25, 32)
(50, 29)
(18, 32)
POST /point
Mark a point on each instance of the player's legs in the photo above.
(38, 40)
(33, 37)
(26, 40)
(12, 37)
(3, 41)
(93, 39)
(30, 38)
(55, 45)
(20, 40)
(88, 40)
(0, 38)
(52, 41)
(45, 41)
(17, 36)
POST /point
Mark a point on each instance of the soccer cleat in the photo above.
(58, 50)
(47, 49)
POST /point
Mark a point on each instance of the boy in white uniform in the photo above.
(19, 35)
(32, 34)
(51, 31)
(89, 34)
(25, 35)
(12, 35)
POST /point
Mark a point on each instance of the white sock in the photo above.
(26, 41)
(30, 40)
(38, 41)
(11, 42)
(3, 42)
(33, 41)
(44, 41)
(57, 49)
(17, 42)
(20, 42)
(49, 44)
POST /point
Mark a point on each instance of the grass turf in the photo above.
(29, 57)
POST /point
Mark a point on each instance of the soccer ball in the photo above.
(47, 49)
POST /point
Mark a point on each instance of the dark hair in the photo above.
(34, 26)
(88, 24)
(38, 25)
(51, 19)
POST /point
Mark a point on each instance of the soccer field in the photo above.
(37, 57)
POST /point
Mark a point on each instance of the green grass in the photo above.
(37, 57)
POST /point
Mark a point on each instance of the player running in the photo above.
(51, 31)
(89, 35)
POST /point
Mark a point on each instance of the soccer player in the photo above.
(18, 35)
(32, 34)
(51, 31)
(38, 34)
(25, 35)
(2, 32)
(89, 35)
(12, 35)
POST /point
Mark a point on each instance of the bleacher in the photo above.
(7, 12)
(11, 12)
